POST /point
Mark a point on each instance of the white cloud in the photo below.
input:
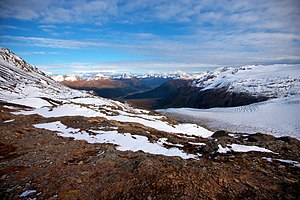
(126, 66)
(23, 10)
(56, 43)
(228, 48)
(212, 31)
(39, 53)
(102, 11)
(95, 71)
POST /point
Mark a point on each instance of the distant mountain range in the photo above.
(112, 85)
(116, 76)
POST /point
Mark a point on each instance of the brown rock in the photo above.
(281, 166)
(236, 180)
(220, 134)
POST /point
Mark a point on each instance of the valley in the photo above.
(114, 87)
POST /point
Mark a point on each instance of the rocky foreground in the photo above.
(37, 163)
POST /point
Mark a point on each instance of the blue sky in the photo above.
(62, 36)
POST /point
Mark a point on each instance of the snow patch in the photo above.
(241, 148)
(149, 120)
(125, 142)
(27, 192)
(244, 148)
(291, 162)
(223, 149)
(198, 143)
(8, 121)
(10, 107)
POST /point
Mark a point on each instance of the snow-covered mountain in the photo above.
(171, 75)
(61, 78)
(269, 81)
(115, 76)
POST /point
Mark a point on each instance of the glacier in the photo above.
(279, 117)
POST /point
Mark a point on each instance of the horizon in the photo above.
(62, 37)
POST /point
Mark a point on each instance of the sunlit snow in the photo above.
(291, 162)
(8, 121)
(241, 148)
(125, 141)
(271, 81)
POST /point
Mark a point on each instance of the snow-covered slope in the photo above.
(18, 79)
(268, 81)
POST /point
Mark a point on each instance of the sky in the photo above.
(137, 36)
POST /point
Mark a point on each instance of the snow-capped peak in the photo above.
(58, 78)
(269, 81)
(61, 78)
(92, 76)
(99, 76)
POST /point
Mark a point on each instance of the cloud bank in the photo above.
(187, 32)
